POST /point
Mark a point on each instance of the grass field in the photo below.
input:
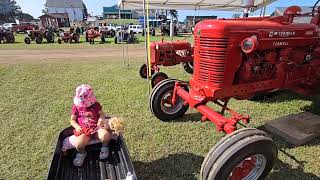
(36, 101)
(19, 44)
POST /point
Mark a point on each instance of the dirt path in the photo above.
(16, 56)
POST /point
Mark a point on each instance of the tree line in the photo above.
(10, 10)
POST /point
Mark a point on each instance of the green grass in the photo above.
(35, 104)
(19, 44)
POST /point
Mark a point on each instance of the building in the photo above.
(73, 8)
(55, 20)
(113, 13)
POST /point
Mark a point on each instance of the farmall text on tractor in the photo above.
(239, 58)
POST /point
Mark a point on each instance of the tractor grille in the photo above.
(210, 55)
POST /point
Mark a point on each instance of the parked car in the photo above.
(135, 28)
(111, 27)
(8, 26)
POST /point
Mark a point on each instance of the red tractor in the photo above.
(168, 54)
(69, 36)
(238, 58)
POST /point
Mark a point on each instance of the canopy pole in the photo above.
(171, 28)
(146, 31)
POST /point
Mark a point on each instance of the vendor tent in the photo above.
(224, 5)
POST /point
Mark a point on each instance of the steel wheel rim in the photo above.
(167, 107)
(260, 162)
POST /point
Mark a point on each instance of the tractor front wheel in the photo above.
(188, 67)
(157, 78)
(27, 40)
(144, 71)
(244, 154)
(161, 102)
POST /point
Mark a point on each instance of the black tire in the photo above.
(10, 38)
(39, 40)
(76, 38)
(27, 40)
(103, 39)
(115, 40)
(59, 41)
(157, 78)
(156, 98)
(188, 67)
(144, 70)
(236, 147)
(112, 33)
(50, 37)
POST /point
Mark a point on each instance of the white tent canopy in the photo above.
(223, 5)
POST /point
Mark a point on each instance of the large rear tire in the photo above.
(10, 38)
(160, 102)
(50, 37)
(244, 154)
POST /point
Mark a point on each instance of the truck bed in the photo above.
(116, 167)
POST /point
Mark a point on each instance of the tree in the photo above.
(85, 11)
(45, 10)
(9, 10)
(174, 14)
(25, 17)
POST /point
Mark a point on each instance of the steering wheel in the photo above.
(314, 7)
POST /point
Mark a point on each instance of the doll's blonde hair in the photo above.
(117, 125)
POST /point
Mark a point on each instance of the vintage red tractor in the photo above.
(238, 58)
(69, 36)
(167, 54)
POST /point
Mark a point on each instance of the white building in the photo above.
(74, 8)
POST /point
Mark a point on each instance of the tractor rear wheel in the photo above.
(27, 40)
(38, 40)
(244, 154)
(112, 33)
(188, 67)
(157, 78)
(50, 37)
(10, 38)
(161, 102)
(144, 71)
(103, 38)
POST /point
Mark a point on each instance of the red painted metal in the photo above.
(244, 169)
(286, 55)
(170, 53)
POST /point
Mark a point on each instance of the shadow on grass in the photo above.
(284, 171)
(189, 117)
(178, 166)
(283, 96)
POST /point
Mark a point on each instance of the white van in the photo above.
(135, 28)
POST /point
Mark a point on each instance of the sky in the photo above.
(34, 7)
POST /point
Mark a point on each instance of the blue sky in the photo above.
(34, 7)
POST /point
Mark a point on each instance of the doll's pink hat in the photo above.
(84, 96)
